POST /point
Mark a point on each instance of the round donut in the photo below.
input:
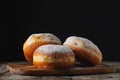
(53, 56)
(36, 40)
(85, 50)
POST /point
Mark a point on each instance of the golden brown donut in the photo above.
(53, 56)
(36, 40)
(85, 50)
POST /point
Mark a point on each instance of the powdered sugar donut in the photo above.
(53, 56)
(36, 40)
(85, 50)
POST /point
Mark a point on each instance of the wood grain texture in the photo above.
(6, 75)
(28, 69)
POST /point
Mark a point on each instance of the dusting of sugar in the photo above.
(47, 37)
(51, 48)
(86, 42)
(90, 44)
(73, 40)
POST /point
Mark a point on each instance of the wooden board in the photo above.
(28, 69)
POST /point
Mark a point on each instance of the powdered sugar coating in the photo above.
(51, 48)
(82, 42)
(45, 37)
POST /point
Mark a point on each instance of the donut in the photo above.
(85, 50)
(36, 40)
(53, 56)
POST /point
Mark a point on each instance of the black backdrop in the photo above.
(95, 20)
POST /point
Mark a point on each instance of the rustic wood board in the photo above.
(78, 69)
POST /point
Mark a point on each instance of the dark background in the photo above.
(95, 20)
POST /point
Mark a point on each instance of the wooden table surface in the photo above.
(6, 75)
